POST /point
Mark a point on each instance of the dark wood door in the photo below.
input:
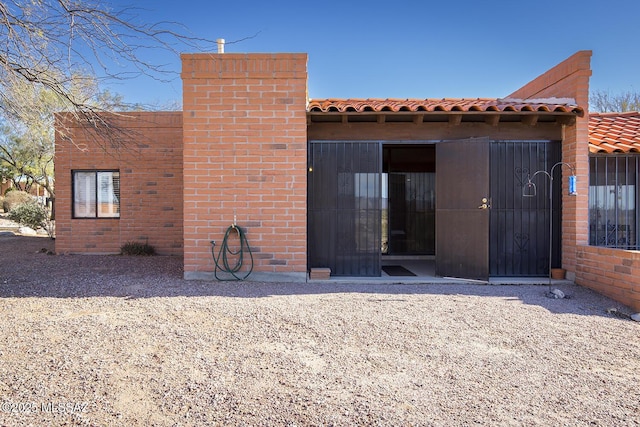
(463, 203)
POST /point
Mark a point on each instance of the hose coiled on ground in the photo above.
(225, 252)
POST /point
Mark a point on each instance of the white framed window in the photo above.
(96, 194)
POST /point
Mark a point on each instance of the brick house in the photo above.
(341, 183)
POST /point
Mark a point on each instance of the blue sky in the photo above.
(412, 49)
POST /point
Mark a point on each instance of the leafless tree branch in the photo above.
(52, 43)
(606, 102)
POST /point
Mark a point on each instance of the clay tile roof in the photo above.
(614, 132)
(549, 105)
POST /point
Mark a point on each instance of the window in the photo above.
(96, 194)
(614, 201)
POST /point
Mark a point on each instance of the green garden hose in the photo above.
(226, 252)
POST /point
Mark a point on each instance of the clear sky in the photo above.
(412, 48)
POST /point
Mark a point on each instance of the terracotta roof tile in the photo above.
(561, 105)
(614, 132)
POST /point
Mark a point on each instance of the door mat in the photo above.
(396, 270)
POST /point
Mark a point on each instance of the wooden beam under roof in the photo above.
(566, 120)
(492, 119)
(530, 120)
(455, 119)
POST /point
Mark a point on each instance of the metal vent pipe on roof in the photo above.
(220, 43)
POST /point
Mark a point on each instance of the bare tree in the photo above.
(606, 102)
(53, 43)
(27, 145)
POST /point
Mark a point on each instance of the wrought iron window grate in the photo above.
(614, 201)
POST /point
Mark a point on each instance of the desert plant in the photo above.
(137, 248)
(15, 198)
(30, 214)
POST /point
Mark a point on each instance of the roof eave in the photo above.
(493, 117)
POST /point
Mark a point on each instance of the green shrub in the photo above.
(30, 214)
(137, 248)
(15, 198)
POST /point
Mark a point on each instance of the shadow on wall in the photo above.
(27, 271)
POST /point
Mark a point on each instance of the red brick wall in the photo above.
(569, 79)
(612, 272)
(245, 157)
(149, 157)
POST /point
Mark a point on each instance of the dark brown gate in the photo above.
(344, 207)
(519, 236)
(462, 209)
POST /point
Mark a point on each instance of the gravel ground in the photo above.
(114, 340)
